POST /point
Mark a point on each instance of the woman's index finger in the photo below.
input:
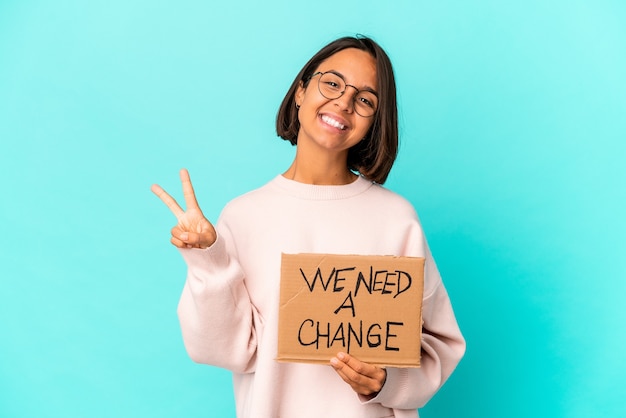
(169, 201)
(190, 195)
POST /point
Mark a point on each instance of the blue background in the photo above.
(513, 129)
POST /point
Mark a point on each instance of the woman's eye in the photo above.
(366, 102)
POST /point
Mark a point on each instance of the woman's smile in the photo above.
(333, 121)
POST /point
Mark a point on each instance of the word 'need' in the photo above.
(385, 282)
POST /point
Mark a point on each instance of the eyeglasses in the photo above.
(332, 86)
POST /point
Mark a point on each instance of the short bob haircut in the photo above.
(374, 156)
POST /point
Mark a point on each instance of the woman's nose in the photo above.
(346, 100)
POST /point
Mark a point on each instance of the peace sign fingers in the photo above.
(168, 200)
(188, 193)
(193, 230)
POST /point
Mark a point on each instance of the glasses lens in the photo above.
(365, 103)
(331, 85)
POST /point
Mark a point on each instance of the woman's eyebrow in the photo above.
(363, 88)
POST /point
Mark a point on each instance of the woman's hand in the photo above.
(364, 378)
(193, 229)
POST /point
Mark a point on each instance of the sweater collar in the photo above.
(316, 192)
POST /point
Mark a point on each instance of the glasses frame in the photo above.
(319, 88)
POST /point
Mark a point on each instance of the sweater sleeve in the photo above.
(443, 346)
(218, 321)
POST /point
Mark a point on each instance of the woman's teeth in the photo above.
(332, 122)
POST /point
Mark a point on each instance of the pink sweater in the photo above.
(229, 306)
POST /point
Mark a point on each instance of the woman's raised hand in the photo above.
(193, 229)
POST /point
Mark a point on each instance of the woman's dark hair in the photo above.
(374, 156)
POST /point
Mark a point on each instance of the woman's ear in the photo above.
(299, 96)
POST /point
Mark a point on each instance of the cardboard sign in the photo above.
(367, 306)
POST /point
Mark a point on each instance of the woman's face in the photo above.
(333, 125)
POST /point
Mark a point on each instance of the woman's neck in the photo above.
(323, 170)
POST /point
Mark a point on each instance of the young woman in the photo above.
(341, 114)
